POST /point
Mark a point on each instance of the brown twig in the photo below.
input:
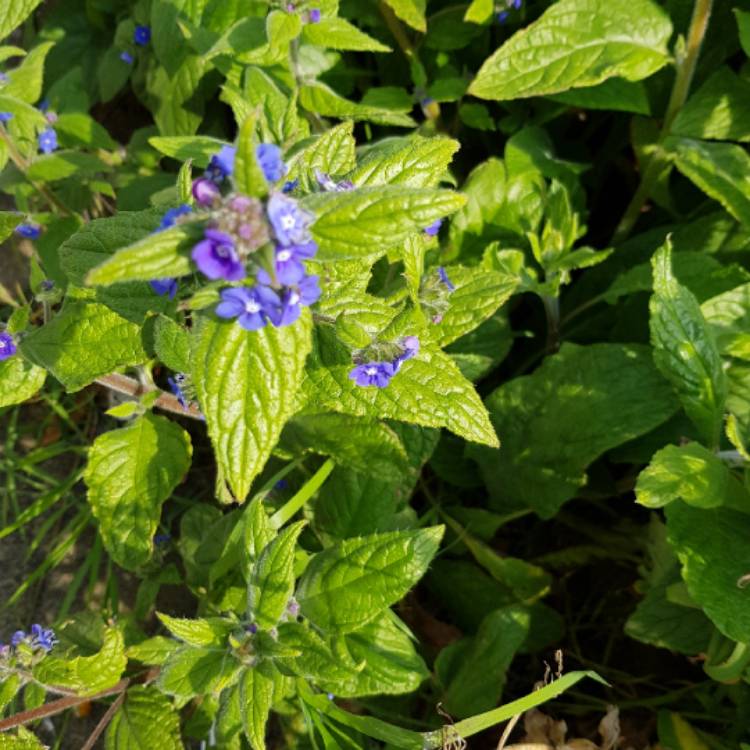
(130, 387)
(103, 722)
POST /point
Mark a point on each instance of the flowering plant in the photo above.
(298, 343)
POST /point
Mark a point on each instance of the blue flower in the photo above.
(252, 306)
(164, 286)
(142, 35)
(3, 78)
(434, 228)
(126, 57)
(222, 164)
(17, 638)
(502, 17)
(174, 386)
(30, 231)
(7, 346)
(5, 116)
(171, 215)
(216, 257)
(410, 346)
(516, 4)
(47, 140)
(378, 374)
(270, 161)
(290, 222)
(288, 265)
(330, 185)
(444, 278)
(290, 185)
(43, 638)
(160, 539)
(314, 15)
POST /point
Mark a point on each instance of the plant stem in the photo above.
(310, 487)
(397, 29)
(23, 166)
(103, 722)
(130, 387)
(685, 71)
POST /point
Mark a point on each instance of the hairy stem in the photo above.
(103, 722)
(685, 71)
(130, 387)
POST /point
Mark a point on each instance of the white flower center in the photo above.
(371, 371)
(223, 251)
(251, 306)
(287, 221)
(283, 256)
(293, 298)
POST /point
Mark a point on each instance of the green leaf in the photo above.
(555, 422)
(145, 720)
(675, 732)
(84, 341)
(367, 221)
(428, 390)
(577, 43)
(313, 658)
(246, 382)
(319, 98)
(248, 176)
(64, 164)
(82, 130)
(176, 101)
(684, 349)
(415, 161)
(392, 665)
(172, 344)
(86, 675)
(156, 256)
(479, 679)
(199, 148)
(718, 110)
(256, 687)
(613, 94)
(153, 650)
(19, 380)
(331, 152)
(743, 23)
(480, 11)
(721, 170)
(478, 294)
(411, 12)
(712, 547)
(192, 671)
(338, 33)
(272, 580)
(690, 473)
(130, 473)
(213, 631)
(728, 318)
(23, 740)
(25, 81)
(13, 14)
(351, 583)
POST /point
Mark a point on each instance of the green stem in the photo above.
(310, 487)
(685, 71)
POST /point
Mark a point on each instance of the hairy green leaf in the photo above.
(145, 720)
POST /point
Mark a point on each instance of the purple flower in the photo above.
(5, 116)
(290, 185)
(378, 374)
(164, 286)
(329, 185)
(216, 257)
(290, 222)
(43, 638)
(3, 78)
(174, 386)
(314, 15)
(270, 161)
(51, 117)
(43, 105)
(47, 140)
(292, 607)
(252, 306)
(502, 17)
(205, 191)
(7, 346)
(170, 216)
(309, 290)
(126, 57)
(252, 628)
(516, 4)
(410, 346)
(142, 35)
(444, 278)
(221, 164)
(18, 637)
(434, 228)
(30, 231)
(288, 264)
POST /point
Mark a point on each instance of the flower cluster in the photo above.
(39, 641)
(263, 245)
(379, 373)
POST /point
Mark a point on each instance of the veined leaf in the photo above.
(684, 349)
(193, 670)
(199, 632)
(199, 148)
(411, 12)
(331, 152)
(19, 380)
(145, 720)
(351, 583)
(14, 13)
(246, 383)
(338, 33)
(577, 43)
(130, 473)
(256, 689)
(728, 318)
